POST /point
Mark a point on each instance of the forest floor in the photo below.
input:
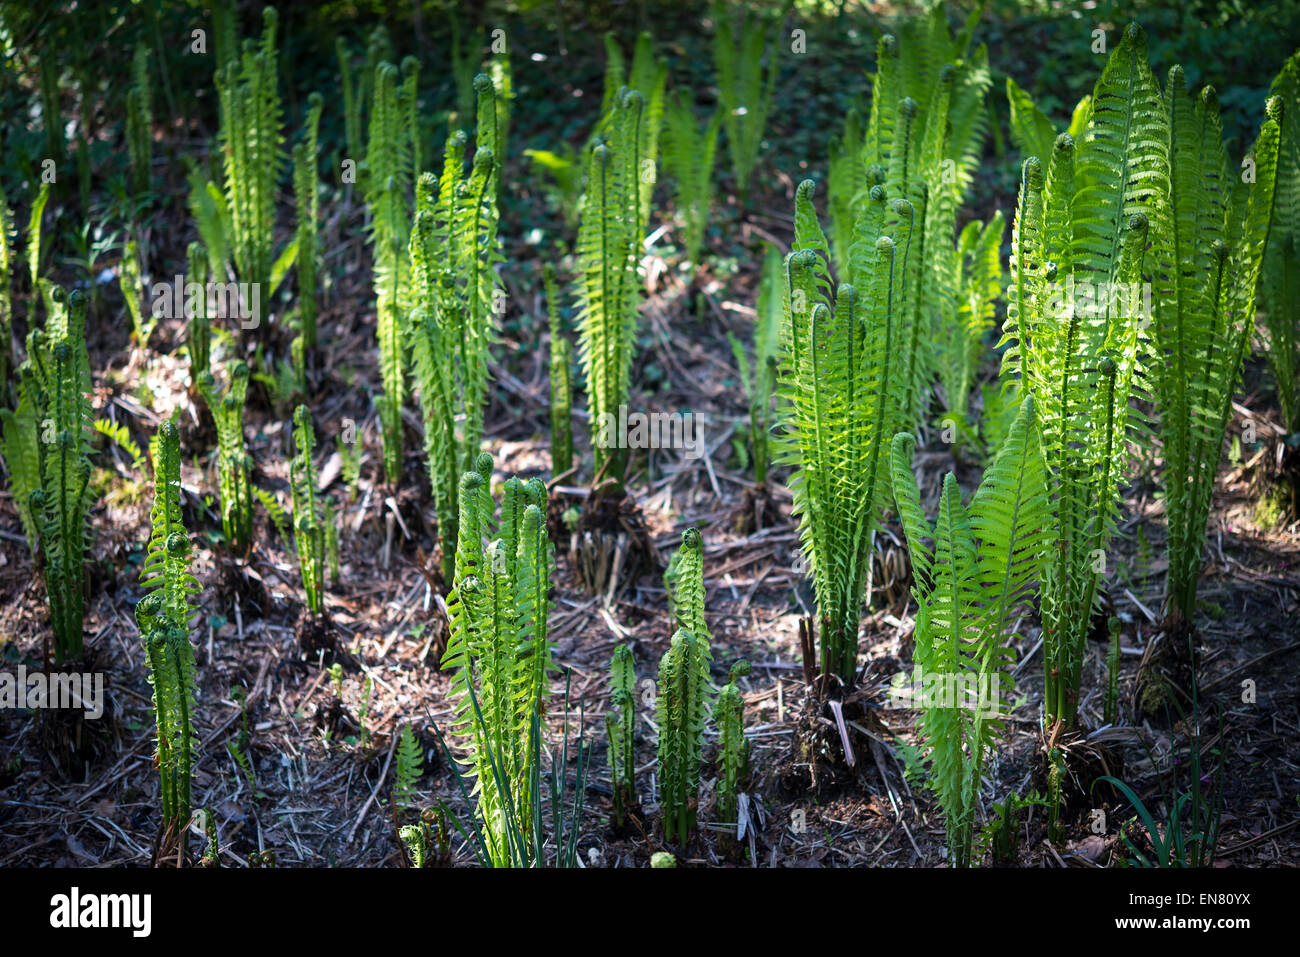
(77, 792)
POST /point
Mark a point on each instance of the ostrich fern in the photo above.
(683, 700)
(1205, 315)
(561, 385)
(843, 389)
(139, 121)
(387, 177)
(975, 570)
(454, 302)
(733, 746)
(745, 84)
(1280, 284)
(500, 654)
(1076, 346)
(688, 159)
(609, 287)
(308, 514)
(306, 188)
(56, 383)
(759, 378)
(620, 726)
(233, 460)
(164, 617)
(249, 101)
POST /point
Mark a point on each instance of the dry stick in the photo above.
(392, 746)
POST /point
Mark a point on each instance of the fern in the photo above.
(620, 727)
(688, 159)
(920, 146)
(22, 460)
(1032, 130)
(970, 586)
(745, 85)
(500, 653)
(6, 299)
(198, 335)
(1082, 358)
(387, 178)
(842, 393)
(733, 746)
(1280, 286)
(561, 385)
(683, 700)
(306, 188)
(453, 320)
(139, 121)
(609, 289)
(121, 435)
(308, 517)
(409, 768)
(132, 289)
(1205, 313)
(233, 460)
(166, 566)
(275, 511)
(759, 379)
(56, 381)
(251, 138)
(978, 283)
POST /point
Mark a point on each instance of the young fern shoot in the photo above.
(164, 617)
(620, 726)
(233, 460)
(688, 159)
(561, 383)
(308, 515)
(682, 704)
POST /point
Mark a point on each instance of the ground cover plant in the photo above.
(650, 435)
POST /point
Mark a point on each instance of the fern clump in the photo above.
(251, 138)
(920, 146)
(233, 460)
(1204, 313)
(975, 570)
(453, 321)
(683, 700)
(842, 389)
(609, 287)
(688, 159)
(500, 654)
(55, 389)
(163, 617)
(745, 83)
(620, 726)
(309, 516)
(1076, 313)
